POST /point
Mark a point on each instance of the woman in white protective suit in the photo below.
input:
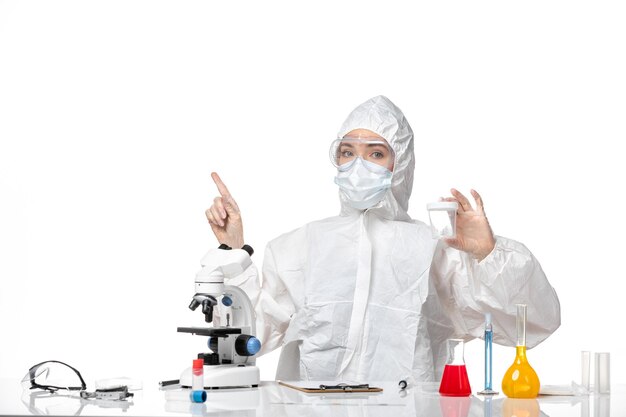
(369, 295)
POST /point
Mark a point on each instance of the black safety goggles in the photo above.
(37, 377)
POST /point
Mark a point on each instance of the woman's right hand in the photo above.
(224, 216)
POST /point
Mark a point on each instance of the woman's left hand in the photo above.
(473, 233)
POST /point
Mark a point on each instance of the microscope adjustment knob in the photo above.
(246, 345)
(212, 344)
(227, 301)
(210, 358)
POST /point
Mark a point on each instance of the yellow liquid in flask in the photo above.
(520, 380)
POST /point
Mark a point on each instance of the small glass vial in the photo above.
(198, 395)
(442, 217)
(455, 382)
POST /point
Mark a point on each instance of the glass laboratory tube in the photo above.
(602, 373)
(488, 357)
(488, 342)
(198, 395)
(585, 367)
(521, 380)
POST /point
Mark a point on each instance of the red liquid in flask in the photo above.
(455, 382)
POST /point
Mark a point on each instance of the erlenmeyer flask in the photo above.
(455, 382)
(521, 380)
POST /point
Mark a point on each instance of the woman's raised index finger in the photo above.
(221, 187)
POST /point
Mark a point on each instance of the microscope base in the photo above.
(225, 376)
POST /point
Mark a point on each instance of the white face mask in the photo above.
(364, 183)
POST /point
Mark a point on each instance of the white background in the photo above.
(113, 114)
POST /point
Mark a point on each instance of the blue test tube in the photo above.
(488, 357)
(488, 347)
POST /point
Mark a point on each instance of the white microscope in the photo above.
(233, 345)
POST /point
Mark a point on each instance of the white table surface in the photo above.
(271, 399)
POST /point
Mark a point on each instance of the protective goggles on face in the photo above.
(53, 376)
(343, 152)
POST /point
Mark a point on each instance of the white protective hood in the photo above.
(381, 116)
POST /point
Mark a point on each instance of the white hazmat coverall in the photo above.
(369, 295)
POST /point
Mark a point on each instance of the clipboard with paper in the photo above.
(329, 387)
